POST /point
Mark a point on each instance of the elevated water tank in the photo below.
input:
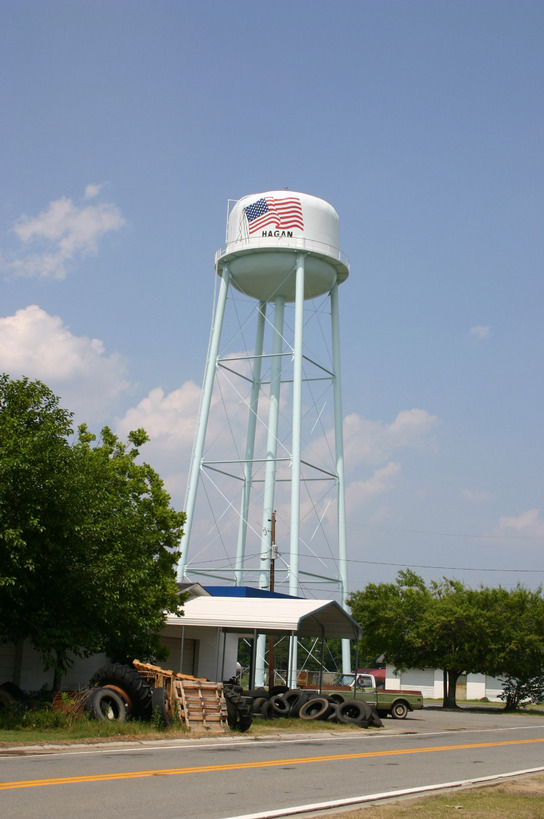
(266, 232)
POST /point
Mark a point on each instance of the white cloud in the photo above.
(373, 442)
(38, 345)
(170, 420)
(528, 523)
(381, 481)
(92, 190)
(61, 234)
(480, 331)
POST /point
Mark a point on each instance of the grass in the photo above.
(46, 727)
(516, 798)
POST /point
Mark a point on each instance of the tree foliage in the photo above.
(447, 625)
(88, 539)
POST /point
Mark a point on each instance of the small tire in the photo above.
(280, 705)
(258, 693)
(258, 704)
(278, 689)
(375, 719)
(316, 708)
(399, 710)
(124, 696)
(354, 712)
(105, 705)
(267, 710)
(296, 699)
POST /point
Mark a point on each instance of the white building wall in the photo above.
(215, 652)
(431, 683)
(23, 665)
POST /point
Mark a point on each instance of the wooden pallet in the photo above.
(197, 702)
(200, 704)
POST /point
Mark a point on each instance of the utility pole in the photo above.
(273, 556)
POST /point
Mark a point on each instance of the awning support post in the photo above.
(253, 661)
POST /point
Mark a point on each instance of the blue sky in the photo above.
(126, 128)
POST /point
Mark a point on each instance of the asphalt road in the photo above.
(235, 776)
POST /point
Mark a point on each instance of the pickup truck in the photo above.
(385, 701)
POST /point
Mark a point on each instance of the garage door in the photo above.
(421, 680)
(190, 655)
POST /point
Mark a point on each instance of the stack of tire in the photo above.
(281, 701)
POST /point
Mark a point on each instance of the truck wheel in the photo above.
(399, 710)
(105, 704)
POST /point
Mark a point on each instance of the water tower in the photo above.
(281, 257)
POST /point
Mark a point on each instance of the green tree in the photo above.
(449, 626)
(460, 632)
(518, 658)
(88, 540)
(390, 615)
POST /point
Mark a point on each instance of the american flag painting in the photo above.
(283, 214)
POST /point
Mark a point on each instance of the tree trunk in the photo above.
(450, 684)
(57, 677)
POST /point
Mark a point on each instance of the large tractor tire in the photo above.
(239, 713)
(14, 691)
(161, 704)
(6, 699)
(136, 691)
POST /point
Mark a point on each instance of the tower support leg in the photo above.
(270, 469)
(250, 445)
(339, 447)
(203, 415)
(296, 451)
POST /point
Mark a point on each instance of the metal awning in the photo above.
(246, 615)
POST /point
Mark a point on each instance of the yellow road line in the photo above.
(237, 766)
